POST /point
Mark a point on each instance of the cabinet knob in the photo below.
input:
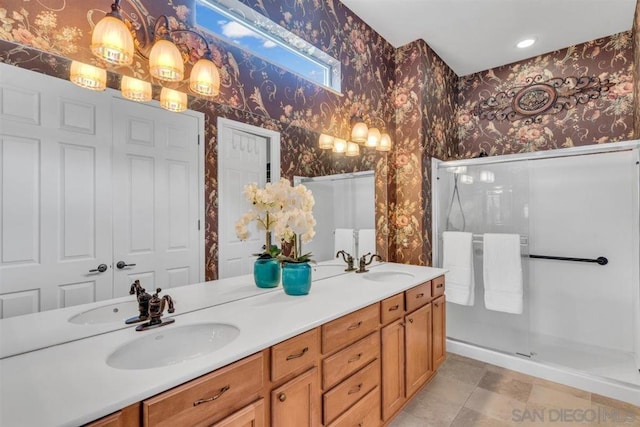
(410, 320)
(282, 397)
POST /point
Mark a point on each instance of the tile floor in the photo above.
(469, 393)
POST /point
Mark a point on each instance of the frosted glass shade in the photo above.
(339, 145)
(135, 90)
(112, 41)
(165, 61)
(173, 100)
(359, 133)
(385, 143)
(353, 149)
(205, 78)
(325, 141)
(373, 138)
(88, 76)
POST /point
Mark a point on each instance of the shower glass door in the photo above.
(479, 199)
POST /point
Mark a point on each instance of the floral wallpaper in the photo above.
(410, 91)
(636, 71)
(425, 103)
(607, 119)
(43, 36)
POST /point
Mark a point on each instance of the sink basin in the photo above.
(173, 345)
(387, 276)
(106, 314)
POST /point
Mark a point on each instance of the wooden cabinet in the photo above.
(439, 333)
(252, 415)
(372, 361)
(127, 417)
(365, 413)
(207, 399)
(418, 334)
(295, 354)
(392, 354)
(296, 403)
(346, 329)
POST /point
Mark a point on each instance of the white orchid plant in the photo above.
(281, 209)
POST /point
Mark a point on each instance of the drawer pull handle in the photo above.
(439, 285)
(419, 295)
(354, 326)
(295, 356)
(222, 391)
(355, 358)
(394, 308)
(355, 389)
(282, 397)
(410, 320)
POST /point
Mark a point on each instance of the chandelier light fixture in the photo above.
(361, 134)
(173, 100)
(135, 89)
(87, 76)
(113, 42)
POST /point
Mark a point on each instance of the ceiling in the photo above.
(476, 35)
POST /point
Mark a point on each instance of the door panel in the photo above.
(156, 206)
(242, 159)
(55, 192)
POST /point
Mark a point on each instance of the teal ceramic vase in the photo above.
(296, 278)
(266, 272)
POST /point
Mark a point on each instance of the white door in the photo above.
(55, 204)
(244, 152)
(156, 197)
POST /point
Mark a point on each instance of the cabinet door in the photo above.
(249, 416)
(418, 327)
(393, 396)
(439, 332)
(297, 403)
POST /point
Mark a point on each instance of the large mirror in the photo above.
(93, 185)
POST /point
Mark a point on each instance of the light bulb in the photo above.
(87, 76)
(173, 100)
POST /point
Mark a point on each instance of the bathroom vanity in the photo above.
(352, 352)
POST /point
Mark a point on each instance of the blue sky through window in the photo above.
(243, 34)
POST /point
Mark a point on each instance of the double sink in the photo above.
(176, 344)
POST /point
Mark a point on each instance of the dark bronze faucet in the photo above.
(348, 259)
(143, 303)
(156, 309)
(364, 263)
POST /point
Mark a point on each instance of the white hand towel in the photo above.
(457, 257)
(366, 241)
(344, 241)
(503, 287)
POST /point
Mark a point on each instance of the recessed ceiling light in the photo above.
(526, 43)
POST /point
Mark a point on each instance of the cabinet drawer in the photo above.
(349, 360)
(210, 397)
(126, 417)
(437, 286)
(347, 329)
(418, 296)
(341, 397)
(365, 413)
(392, 309)
(251, 416)
(294, 354)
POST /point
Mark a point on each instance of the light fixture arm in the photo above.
(115, 10)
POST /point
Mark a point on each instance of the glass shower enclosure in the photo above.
(569, 208)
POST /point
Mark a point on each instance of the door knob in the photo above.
(101, 269)
(122, 264)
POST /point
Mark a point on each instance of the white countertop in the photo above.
(71, 384)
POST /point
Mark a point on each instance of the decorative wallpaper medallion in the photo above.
(542, 96)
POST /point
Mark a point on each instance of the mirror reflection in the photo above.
(99, 191)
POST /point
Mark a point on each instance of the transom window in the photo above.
(242, 26)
